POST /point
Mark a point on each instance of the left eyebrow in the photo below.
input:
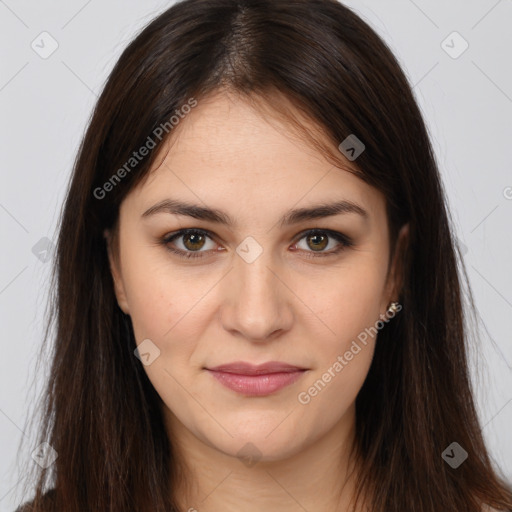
(321, 211)
(295, 216)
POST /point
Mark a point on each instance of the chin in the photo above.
(258, 446)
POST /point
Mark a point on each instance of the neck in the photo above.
(318, 477)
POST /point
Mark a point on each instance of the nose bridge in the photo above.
(257, 302)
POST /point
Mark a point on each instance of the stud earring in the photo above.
(394, 308)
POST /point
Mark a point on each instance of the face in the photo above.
(252, 282)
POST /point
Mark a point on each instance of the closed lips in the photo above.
(256, 380)
(243, 368)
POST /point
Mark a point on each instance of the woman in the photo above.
(258, 304)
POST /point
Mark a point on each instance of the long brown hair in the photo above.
(100, 412)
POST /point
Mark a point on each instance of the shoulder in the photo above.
(47, 503)
(26, 507)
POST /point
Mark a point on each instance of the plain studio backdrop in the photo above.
(55, 58)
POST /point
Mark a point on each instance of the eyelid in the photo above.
(343, 240)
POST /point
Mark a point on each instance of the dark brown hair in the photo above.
(100, 412)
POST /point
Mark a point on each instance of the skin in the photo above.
(283, 306)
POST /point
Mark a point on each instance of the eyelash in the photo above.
(344, 241)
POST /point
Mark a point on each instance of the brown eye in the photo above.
(318, 239)
(317, 242)
(193, 241)
(189, 243)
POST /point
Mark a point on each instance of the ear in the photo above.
(113, 259)
(397, 266)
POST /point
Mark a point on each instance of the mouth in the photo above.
(256, 380)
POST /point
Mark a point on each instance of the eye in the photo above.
(318, 239)
(193, 241)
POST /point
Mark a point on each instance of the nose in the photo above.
(257, 304)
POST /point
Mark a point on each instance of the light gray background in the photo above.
(45, 103)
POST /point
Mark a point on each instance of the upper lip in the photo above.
(243, 368)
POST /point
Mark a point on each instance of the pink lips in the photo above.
(258, 380)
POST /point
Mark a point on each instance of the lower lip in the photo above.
(257, 385)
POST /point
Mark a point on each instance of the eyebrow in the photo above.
(173, 206)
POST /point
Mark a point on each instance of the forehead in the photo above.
(227, 151)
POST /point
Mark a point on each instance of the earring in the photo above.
(394, 308)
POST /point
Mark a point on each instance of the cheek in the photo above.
(349, 309)
(160, 295)
(172, 307)
(151, 306)
(165, 307)
(347, 302)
